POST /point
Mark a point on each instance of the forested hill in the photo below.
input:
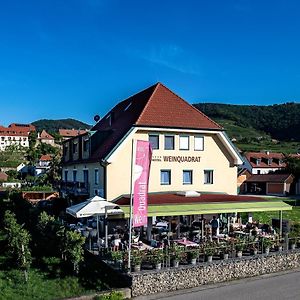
(281, 121)
(54, 125)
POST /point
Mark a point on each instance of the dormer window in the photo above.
(258, 161)
(280, 162)
(270, 160)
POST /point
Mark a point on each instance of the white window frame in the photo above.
(183, 147)
(187, 171)
(169, 172)
(156, 135)
(96, 177)
(169, 136)
(196, 148)
(211, 177)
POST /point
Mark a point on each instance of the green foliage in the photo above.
(53, 125)
(111, 296)
(279, 121)
(18, 242)
(40, 286)
(73, 248)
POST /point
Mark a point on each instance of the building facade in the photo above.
(15, 134)
(264, 162)
(190, 151)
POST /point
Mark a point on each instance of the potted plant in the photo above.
(225, 248)
(293, 238)
(209, 251)
(177, 253)
(157, 257)
(253, 249)
(193, 255)
(267, 244)
(239, 247)
(117, 257)
(136, 260)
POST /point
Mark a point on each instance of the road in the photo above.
(283, 286)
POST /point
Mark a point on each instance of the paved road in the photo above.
(282, 286)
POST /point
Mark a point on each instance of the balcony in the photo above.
(75, 188)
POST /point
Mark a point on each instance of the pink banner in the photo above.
(141, 171)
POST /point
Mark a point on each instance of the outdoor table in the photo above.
(141, 246)
(186, 243)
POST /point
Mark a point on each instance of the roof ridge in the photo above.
(147, 104)
(199, 111)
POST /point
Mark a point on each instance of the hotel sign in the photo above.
(176, 158)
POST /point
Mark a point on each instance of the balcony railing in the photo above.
(76, 188)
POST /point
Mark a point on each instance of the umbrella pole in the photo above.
(98, 232)
(106, 229)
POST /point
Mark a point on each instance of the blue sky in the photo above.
(78, 58)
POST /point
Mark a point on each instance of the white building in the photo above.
(15, 134)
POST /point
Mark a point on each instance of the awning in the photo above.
(211, 208)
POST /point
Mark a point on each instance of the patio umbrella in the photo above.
(95, 206)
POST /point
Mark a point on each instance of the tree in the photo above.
(18, 242)
(293, 165)
(73, 248)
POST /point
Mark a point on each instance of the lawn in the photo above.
(40, 286)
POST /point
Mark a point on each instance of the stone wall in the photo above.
(150, 282)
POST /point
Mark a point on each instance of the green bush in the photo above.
(112, 296)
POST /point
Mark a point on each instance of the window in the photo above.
(65, 150)
(75, 148)
(74, 175)
(86, 145)
(169, 142)
(184, 143)
(258, 161)
(187, 177)
(86, 176)
(199, 143)
(66, 175)
(154, 141)
(208, 176)
(165, 177)
(96, 176)
(270, 160)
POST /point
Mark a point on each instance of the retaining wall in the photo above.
(166, 280)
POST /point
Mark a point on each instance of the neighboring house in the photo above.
(269, 184)
(190, 151)
(46, 138)
(243, 175)
(15, 134)
(70, 133)
(43, 164)
(3, 176)
(264, 162)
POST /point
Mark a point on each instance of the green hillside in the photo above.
(54, 125)
(255, 128)
(280, 121)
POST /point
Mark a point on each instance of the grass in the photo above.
(40, 286)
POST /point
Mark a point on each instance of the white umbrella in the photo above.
(95, 206)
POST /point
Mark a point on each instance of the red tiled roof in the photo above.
(3, 176)
(155, 106)
(16, 130)
(46, 135)
(70, 132)
(252, 156)
(46, 157)
(269, 178)
(172, 198)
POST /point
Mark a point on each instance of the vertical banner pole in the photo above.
(131, 207)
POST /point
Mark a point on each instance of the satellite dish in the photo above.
(96, 118)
